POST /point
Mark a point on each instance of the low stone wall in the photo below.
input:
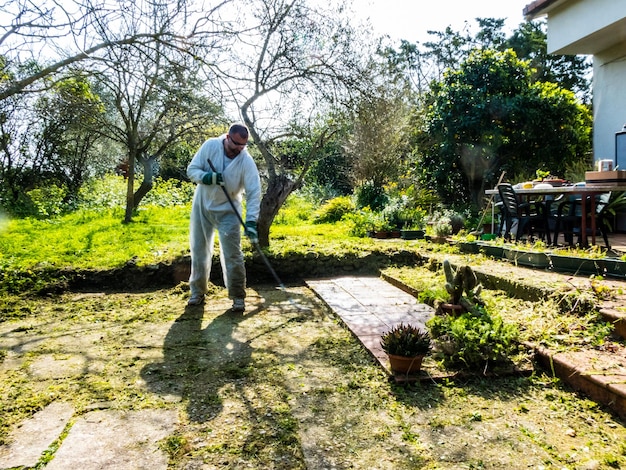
(290, 269)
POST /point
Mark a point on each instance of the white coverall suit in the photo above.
(211, 211)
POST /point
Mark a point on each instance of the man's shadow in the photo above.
(198, 362)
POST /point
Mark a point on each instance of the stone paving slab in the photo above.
(370, 306)
(116, 440)
(102, 439)
(33, 437)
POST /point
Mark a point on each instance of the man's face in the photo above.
(234, 144)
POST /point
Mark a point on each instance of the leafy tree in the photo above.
(68, 114)
(331, 171)
(529, 41)
(379, 142)
(20, 160)
(449, 48)
(489, 116)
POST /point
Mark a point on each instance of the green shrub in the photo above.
(103, 193)
(361, 222)
(474, 340)
(334, 210)
(371, 195)
(110, 192)
(168, 193)
(48, 200)
(296, 209)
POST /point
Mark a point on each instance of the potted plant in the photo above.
(406, 346)
(442, 229)
(487, 228)
(412, 223)
(380, 226)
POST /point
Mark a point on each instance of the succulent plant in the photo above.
(406, 340)
(460, 281)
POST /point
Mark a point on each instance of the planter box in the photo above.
(614, 267)
(412, 234)
(533, 259)
(575, 265)
(468, 247)
(489, 249)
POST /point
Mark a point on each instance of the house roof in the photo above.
(540, 7)
(608, 29)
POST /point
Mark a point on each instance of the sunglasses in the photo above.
(238, 144)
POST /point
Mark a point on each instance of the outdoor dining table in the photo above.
(571, 190)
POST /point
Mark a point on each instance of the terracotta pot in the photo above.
(380, 234)
(451, 309)
(405, 365)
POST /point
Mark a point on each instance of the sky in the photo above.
(411, 19)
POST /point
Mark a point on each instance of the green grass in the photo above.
(95, 239)
(99, 239)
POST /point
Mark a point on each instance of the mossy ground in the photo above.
(284, 386)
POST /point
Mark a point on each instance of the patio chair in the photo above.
(569, 219)
(531, 216)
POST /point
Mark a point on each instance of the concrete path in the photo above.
(370, 306)
(98, 440)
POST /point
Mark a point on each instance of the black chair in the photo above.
(531, 216)
(498, 213)
(569, 219)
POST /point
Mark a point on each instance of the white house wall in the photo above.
(609, 100)
(586, 26)
(596, 27)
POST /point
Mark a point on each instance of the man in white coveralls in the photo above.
(235, 172)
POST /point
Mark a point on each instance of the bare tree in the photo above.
(60, 33)
(152, 103)
(294, 60)
(151, 89)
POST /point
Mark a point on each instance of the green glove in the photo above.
(251, 232)
(213, 178)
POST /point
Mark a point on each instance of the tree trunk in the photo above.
(278, 189)
(128, 215)
(148, 179)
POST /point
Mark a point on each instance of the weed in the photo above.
(175, 446)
